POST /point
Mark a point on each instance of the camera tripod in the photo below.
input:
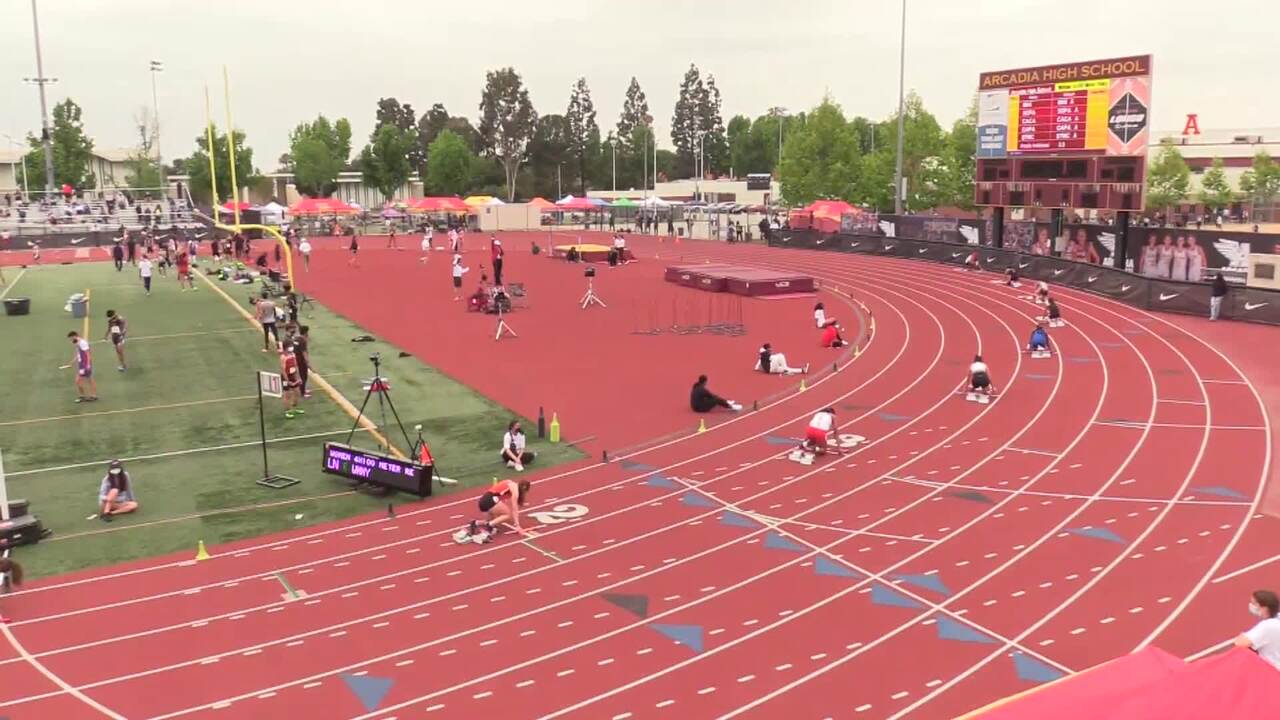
(379, 386)
(590, 297)
(503, 327)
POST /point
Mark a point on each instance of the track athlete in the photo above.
(501, 503)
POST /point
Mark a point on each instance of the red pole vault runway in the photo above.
(962, 553)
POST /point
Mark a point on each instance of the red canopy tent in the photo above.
(439, 204)
(822, 215)
(1237, 685)
(321, 206)
(230, 206)
(575, 204)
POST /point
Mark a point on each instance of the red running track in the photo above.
(962, 553)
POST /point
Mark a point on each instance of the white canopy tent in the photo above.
(273, 213)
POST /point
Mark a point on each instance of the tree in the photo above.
(318, 151)
(635, 112)
(1215, 191)
(197, 166)
(1168, 179)
(820, 159)
(72, 150)
(391, 112)
(385, 161)
(1261, 181)
(686, 123)
(144, 169)
(714, 147)
(946, 179)
(548, 149)
(449, 164)
(584, 133)
(507, 121)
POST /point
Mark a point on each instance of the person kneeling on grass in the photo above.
(501, 503)
(513, 448)
(14, 571)
(115, 495)
(703, 400)
(776, 363)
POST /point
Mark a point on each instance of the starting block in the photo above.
(800, 456)
(980, 398)
(1039, 354)
(1057, 323)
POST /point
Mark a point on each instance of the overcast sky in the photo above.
(290, 60)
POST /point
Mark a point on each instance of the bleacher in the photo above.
(100, 211)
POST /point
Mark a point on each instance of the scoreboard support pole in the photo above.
(997, 226)
(1122, 240)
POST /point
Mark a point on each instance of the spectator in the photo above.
(1264, 638)
(514, 451)
(1219, 292)
(703, 400)
(115, 495)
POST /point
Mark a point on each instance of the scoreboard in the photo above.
(1089, 122)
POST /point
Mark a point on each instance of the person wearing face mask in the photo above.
(1264, 638)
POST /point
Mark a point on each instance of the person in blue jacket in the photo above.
(1039, 339)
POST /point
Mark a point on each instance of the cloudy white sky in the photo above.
(292, 59)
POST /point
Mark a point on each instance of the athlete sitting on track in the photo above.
(971, 262)
(817, 439)
(1039, 340)
(776, 363)
(1011, 276)
(831, 337)
(498, 503)
(1042, 292)
(979, 379)
(820, 316)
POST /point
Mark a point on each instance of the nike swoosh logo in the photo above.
(991, 259)
(956, 255)
(1169, 296)
(854, 245)
(1056, 273)
(1125, 288)
(1023, 265)
(1094, 277)
(1254, 306)
(922, 251)
(889, 247)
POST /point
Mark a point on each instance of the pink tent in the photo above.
(439, 204)
(572, 203)
(321, 206)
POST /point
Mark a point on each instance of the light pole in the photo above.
(157, 67)
(40, 80)
(902, 75)
(613, 146)
(558, 165)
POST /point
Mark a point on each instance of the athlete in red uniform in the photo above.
(821, 427)
(291, 380)
(184, 272)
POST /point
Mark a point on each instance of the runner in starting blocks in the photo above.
(1038, 345)
(978, 382)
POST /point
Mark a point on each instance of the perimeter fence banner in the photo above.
(1242, 303)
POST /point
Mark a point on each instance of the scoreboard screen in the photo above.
(1094, 108)
(1072, 135)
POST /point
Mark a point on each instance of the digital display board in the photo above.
(376, 469)
(1100, 107)
(1065, 136)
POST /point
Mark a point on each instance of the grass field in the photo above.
(184, 418)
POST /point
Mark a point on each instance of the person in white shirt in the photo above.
(305, 248)
(458, 272)
(821, 428)
(144, 272)
(1264, 638)
(455, 241)
(426, 246)
(820, 316)
(979, 379)
(514, 451)
(776, 363)
(1042, 293)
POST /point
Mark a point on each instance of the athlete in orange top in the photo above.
(502, 502)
